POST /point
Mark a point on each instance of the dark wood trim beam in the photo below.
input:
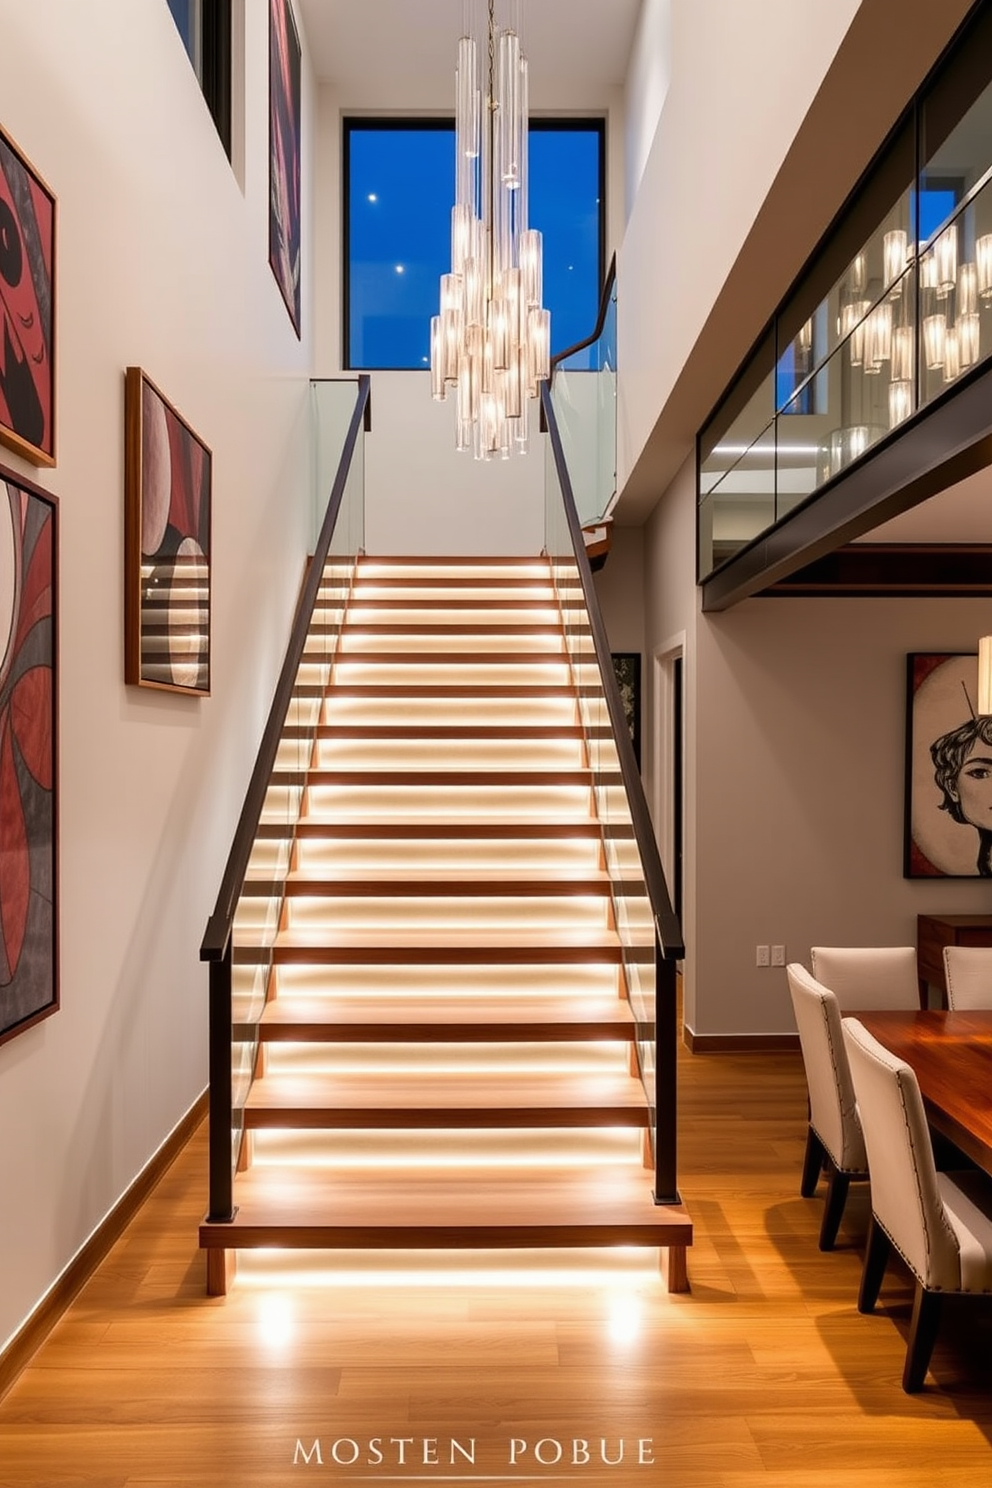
(894, 570)
(943, 444)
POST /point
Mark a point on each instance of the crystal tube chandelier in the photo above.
(491, 341)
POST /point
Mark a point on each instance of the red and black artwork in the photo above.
(27, 323)
(167, 544)
(28, 925)
(284, 154)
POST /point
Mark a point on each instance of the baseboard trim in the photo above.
(37, 1326)
(741, 1043)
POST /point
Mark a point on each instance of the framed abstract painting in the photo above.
(284, 154)
(27, 309)
(167, 563)
(627, 666)
(948, 831)
(29, 982)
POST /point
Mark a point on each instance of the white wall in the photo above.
(648, 76)
(162, 262)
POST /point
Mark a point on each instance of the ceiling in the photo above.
(403, 51)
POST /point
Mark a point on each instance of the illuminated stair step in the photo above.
(427, 882)
(398, 753)
(562, 857)
(457, 1019)
(447, 1147)
(492, 986)
(464, 948)
(419, 798)
(449, 708)
(473, 1100)
(376, 1208)
(420, 644)
(596, 1060)
(394, 914)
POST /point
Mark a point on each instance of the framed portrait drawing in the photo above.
(167, 555)
(29, 982)
(27, 308)
(627, 667)
(948, 770)
(284, 154)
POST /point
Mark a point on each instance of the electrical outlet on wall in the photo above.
(761, 956)
(778, 955)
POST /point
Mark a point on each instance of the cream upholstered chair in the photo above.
(968, 975)
(834, 1133)
(940, 1223)
(868, 976)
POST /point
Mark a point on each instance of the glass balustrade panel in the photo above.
(584, 394)
(259, 919)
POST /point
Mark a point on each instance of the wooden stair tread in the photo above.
(395, 1207)
(496, 939)
(293, 1017)
(368, 1099)
(433, 775)
(424, 881)
(525, 732)
(333, 828)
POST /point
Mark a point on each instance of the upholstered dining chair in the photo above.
(968, 976)
(940, 1223)
(833, 1137)
(868, 976)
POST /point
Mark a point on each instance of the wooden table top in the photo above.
(951, 1056)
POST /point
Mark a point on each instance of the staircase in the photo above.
(445, 1046)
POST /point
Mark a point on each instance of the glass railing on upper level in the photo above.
(584, 396)
(893, 309)
(241, 933)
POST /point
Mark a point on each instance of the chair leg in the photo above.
(837, 1187)
(812, 1164)
(877, 1253)
(922, 1336)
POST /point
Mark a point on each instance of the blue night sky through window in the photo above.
(400, 191)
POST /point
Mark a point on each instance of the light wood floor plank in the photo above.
(763, 1376)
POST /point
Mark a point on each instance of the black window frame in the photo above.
(214, 73)
(548, 123)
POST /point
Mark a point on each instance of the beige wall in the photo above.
(795, 776)
(162, 262)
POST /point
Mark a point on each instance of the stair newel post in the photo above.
(665, 1103)
(221, 1089)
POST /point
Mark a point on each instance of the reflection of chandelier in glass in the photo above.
(491, 340)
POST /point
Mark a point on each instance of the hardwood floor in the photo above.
(763, 1374)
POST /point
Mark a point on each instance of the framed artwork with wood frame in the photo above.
(167, 556)
(285, 69)
(27, 308)
(948, 832)
(29, 963)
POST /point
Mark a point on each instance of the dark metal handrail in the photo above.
(669, 946)
(604, 309)
(218, 932)
(669, 930)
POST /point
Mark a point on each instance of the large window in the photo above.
(398, 190)
(205, 28)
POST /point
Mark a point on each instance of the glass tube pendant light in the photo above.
(491, 341)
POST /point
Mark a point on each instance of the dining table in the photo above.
(951, 1056)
